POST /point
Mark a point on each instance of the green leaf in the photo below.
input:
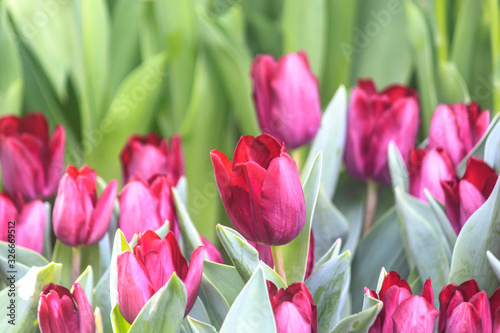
(119, 324)
(244, 256)
(333, 252)
(217, 305)
(119, 245)
(199, 327)
(86, 280)
(309, 34)
(491, 147)
(452, 88)
(296, 252)
(330, 141)
(63, 254)
(225, 278)
(131, 111)
(495, 263)
(189, 233)
(24, 259)
(27, 293)
(102, 300)
(441, 217)
(397, 167)
(198, 311)
(170, 299)
(480, 233)
(329, 286)
(359, 322)
(91, 256)
(253, 302)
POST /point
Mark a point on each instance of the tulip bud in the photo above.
(293, 308)
(149, 155)
(146, 206)
(59, 311)
(24, 220)
(464, 308)
(142, 273)
(31, 161)
(286, 98)
(457, 128)
(495, 310)
(427, 168)
(212, 252)
(261, 190)
(373, 121)
(403, 311)
(463, 197)
(79, 217)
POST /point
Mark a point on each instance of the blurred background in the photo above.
(108, 68)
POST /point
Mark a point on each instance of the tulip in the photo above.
(149, 155)
(464, 308)
(463, 197)
(26, 221)
(266, 255)
(212, 252)
(261, 190)
(403, 311)
(495, 310)
(427, 168)
(373, 121)
(293, 308)
(60, 311)
(142, 273)
(31, 161)
(286, 98)
(457, 128)
(79, 217)
(146, 206)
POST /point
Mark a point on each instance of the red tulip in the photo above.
(261, 190)
(463, 197)
(79, 217)
(142, 273)
(146, 206)
(403, 311)
(60, 311)
(31, 161)
(457, 128)
(427, 168)
(374, 120)
(293, 308)
(212, 252)
(149, 155)
(464, 308)
(26, 221)
(495, 310)
(286, 98)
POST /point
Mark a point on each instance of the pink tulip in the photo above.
(59, 311)
(26, 221)
(286, 98)
(464, 308)
(373, 121)
(261, 190)
(212, 252)
(495, 310)
(149, 155)
(31, 161)
(293, 308)
(457, 128)
(403, 311)
(79, 217)
(427, 168)
(142, 273)
(463, 197)
(146, 206)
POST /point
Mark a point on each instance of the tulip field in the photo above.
(236, 166)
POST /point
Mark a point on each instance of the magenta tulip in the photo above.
(261, 190)
(32, 162)
(212, 253)
(60, 311)
(427, 168)
(286, 98)
(149, 155)
(464, 308)
(373, 121)
(79, 217)
(463, 197)
(457, 128)
(142, 273)
(293, 308)
(146, 206)
(495, 310)
(25, 221)
(402, 311)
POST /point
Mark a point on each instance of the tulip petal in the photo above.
(260, 150)
(477, 173)
(393, 297)
(8, 212)
(85, 311)
(481, 125)
(213, 253)
(134, 286)
(31, 226)
(482, 306)
(193, 277)
(35, 124)
(427, 292)
(289, 319)
(101, 215)
(464, 319)
(470, 200)
(263, 69)
(55, 161)
(414, 315)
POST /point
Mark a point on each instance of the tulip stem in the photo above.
(371, 205)
(278, 262)
(76, 262)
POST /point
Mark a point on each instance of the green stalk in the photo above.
(76, 262)
(371, 205)
(278, 262)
